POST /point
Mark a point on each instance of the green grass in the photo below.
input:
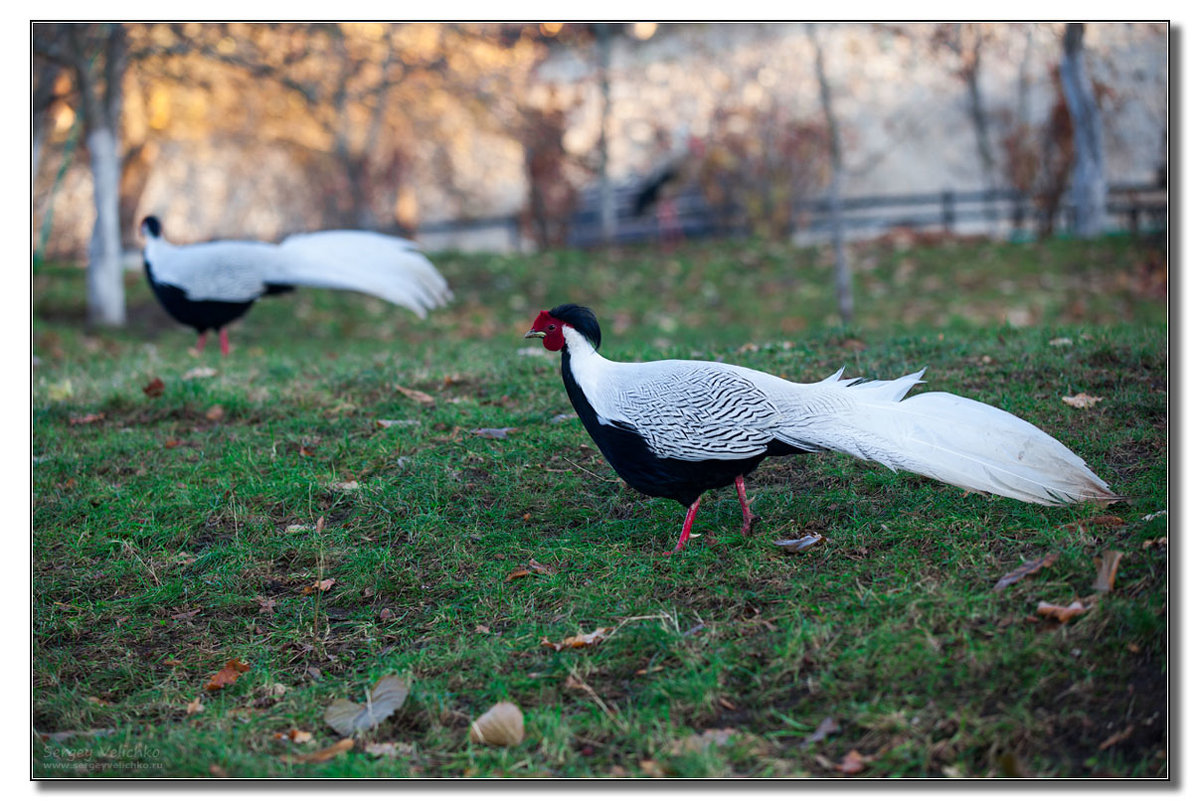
(165, 507)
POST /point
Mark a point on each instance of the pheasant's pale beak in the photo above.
(535, 334)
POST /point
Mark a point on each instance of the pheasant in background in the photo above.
(676, 428)
(661, 188)
(211, 284)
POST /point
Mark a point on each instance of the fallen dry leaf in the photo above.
(503, 724)
(802, 543)
(295, 736)
(416, 395)
(652, 768)
(1064, 614)
(94, 417)
(323, 755)
(217, 771)
(702, 740)
(534, 567)
(578, 640)
(827, 726)
(386, 614)
(1081, 401)
(61, 391)
(155, 388)
(227, 675)
(344, 486)
(215, 413)
(199, 372)
(266, 606)
(1061, 342)
(492, 433)
(389, 749)
(1106, 565)
(390, 423)
(851, 763)
(194, 706)
(1026, 569)
(1160, 541)
(1100, 521)
(1124, 734)
(185, 616)
(347, 717)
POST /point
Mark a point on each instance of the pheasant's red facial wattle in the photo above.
(549, 330)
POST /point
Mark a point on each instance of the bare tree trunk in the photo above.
(843, 277)
(100, 70)
(972, 68)
(1088, 183)
(105, 276)
(607, 198)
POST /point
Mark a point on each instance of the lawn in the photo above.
(355, 493)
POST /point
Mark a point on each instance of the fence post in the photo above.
(947, 210)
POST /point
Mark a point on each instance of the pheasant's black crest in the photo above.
(581, 318)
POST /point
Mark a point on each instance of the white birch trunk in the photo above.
(105, 277)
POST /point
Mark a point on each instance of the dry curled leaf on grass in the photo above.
(1026, 569)
(827, 726)
(321, 585)
(1092, 523)
(227, 675)
(492, 433)
(346, 717)
(199, 372)
(323, 755)
(578, 640)
(389, 749)
(344, 486)
(293, 736)
(503, 724)
(853, 762)
(534, 567)
(1106, 566)
(155, 388)
(391, 423)
(802, 543)
(1063, 614)
(86, 419)
(194, 707)
(1081, 401)
(215, 413)
(416, 395)
(700, 741)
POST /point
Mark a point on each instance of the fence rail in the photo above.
(1138, 208)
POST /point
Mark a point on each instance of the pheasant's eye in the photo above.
(551, 327)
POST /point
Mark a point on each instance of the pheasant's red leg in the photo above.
(201, 342)
(687, 521)
(747, 517)
(224, 342)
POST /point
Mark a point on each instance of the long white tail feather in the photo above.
(946, 437)
(362, 261)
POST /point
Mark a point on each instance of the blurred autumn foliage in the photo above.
(264, 129)
(759, 163)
